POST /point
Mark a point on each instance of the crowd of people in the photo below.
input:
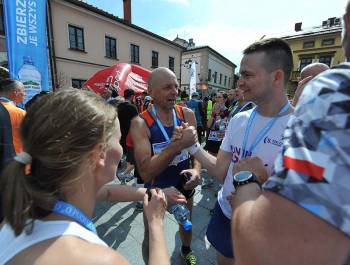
(282, 164)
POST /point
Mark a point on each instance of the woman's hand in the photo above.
(155, 208)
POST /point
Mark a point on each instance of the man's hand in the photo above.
(252, 164)
(189, 136)
(193, 177)
(177, 134)
(174, 196)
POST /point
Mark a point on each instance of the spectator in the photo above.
(231, 99)
(126, 112)
(217, 125)
(240, 105)
(306, 74)
(196, 106)
(12, 91)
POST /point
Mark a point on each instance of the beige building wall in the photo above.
(72, 64)
(219, 66)
(206, 59)
(314, 53)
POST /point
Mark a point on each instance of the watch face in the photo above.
(242, 176)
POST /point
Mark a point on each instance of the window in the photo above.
(327, 42)
(304, 62)
(327, 59)
(171, 63)
(229, 81)
(76, 38)
(220, 78)
(225, 80)
(209, 75)
(154, 59)
(309, 44)
(78, 83)
(215, 76)
(111, 47)
(134, 54)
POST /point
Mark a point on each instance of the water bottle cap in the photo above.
(187, 225)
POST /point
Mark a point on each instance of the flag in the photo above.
(25, 27)
(193, 77)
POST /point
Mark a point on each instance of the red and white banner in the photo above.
(193, 78)
(120, 77)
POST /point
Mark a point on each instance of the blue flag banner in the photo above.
(25, 28)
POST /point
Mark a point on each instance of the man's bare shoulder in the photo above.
(139, 128)
(186, 110)
(188, 114)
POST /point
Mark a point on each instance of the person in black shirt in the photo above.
(126, 112)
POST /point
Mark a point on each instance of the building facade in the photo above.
(87, 39)
(318, 44)
(214, 71)
(83, 39)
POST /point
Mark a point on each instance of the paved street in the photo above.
(120, 225)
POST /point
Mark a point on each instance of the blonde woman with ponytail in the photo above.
(71, 150)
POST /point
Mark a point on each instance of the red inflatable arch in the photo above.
(120, 77)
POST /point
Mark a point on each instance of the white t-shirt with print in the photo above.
(267, 149)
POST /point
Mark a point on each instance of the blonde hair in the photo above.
(59, 131)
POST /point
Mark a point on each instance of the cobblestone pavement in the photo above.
(121, 226)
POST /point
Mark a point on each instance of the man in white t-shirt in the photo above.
(254, 136)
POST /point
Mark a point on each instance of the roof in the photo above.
(120, 20)
(315, 31)
(213, 51)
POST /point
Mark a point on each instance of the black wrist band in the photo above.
(149, 193)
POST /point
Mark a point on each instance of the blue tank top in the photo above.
(170, 177)
(193, 104)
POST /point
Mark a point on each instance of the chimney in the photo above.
(127, 10)
(297, 26)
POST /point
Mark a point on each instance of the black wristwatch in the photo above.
(244, 177)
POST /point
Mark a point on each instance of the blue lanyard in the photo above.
(3, 99)
(160, 125)
(262, 132)
(246, 104)
(73, 212)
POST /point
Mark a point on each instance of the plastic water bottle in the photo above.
(182, 214)
(30, 77)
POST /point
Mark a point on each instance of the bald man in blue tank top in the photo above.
(161, 162)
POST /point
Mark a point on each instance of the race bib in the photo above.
(216, 136)
(158, 147)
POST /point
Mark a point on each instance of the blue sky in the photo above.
(228, 26)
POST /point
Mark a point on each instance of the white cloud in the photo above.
(226, 39)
